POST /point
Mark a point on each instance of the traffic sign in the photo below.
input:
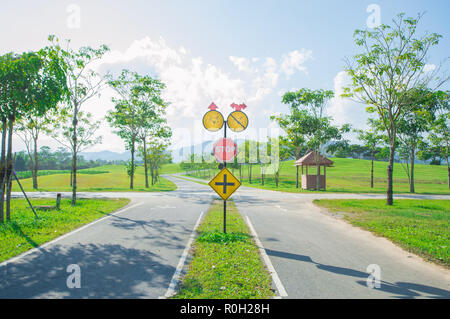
(237, 121)
(225, 184)
(213, 121)
(225, 150)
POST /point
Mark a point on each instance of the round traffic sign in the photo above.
(237, 121)
(213, 120)
(225, 150)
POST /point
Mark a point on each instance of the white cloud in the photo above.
(429, 68)
(344, 110)
(294, 61)
(192, 84)
(243, 64)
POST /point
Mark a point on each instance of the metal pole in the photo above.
(224, 165)
(29, 203)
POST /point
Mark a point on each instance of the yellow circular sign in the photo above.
(237, 121)
(213, 121)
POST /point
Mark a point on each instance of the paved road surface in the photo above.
(319, 256)
(134, 254)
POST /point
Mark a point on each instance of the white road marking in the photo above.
(39, 248)
(281, 290)
(177, 275)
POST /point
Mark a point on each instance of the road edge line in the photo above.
(281, 290)
(41, 247)
(171, 291)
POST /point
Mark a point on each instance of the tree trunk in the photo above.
(74, 159)
(132, 165)
(448, 167)
(371, 169)
(9, 161)
(296, 181)
(250, 173)
(390, 171)
(262, 178)
(34, 175)
(145, 164)
(3, 170)
(411, 184)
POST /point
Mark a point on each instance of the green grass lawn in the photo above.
(24, 231)
(107, 178)
(353, 175)
(420, 226)
(225, 266)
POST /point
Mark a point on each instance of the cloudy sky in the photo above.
(223, 51)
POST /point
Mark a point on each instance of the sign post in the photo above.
(225, 150)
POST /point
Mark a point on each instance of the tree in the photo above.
(412, 127)
(156, 157)
(392, 62)
(85, 130)
(439, 136)
(30, 84)
(29, 129)
(83, 84)
(138, 112)
(293, 144)
(317, 130)
(151, 121)
(371, 139)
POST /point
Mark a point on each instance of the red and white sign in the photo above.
(225, 150)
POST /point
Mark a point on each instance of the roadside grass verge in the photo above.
(25, 232)
(225, 266)
(420, 226)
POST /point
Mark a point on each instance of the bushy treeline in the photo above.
(56, 160)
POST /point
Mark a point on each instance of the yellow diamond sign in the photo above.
(225, 184)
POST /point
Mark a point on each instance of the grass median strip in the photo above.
(25, 232)
(420, 226)
(225, 266)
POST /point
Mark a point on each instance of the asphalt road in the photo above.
(134, 253)
(319, 256)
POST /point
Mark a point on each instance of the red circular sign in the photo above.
(225, 150)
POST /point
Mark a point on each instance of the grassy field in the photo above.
(353, 175)
(24, 231)
(106, 178)
(420, 226)
(225, 266)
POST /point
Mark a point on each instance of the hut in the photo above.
(309, 180)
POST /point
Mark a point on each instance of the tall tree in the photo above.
(316, 128)
(29, 130)
(127, 114)
(392, 62)
(32, 83)
(83, 83)
(293, 144)
(371, 139)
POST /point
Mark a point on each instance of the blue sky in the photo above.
(218, 50)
